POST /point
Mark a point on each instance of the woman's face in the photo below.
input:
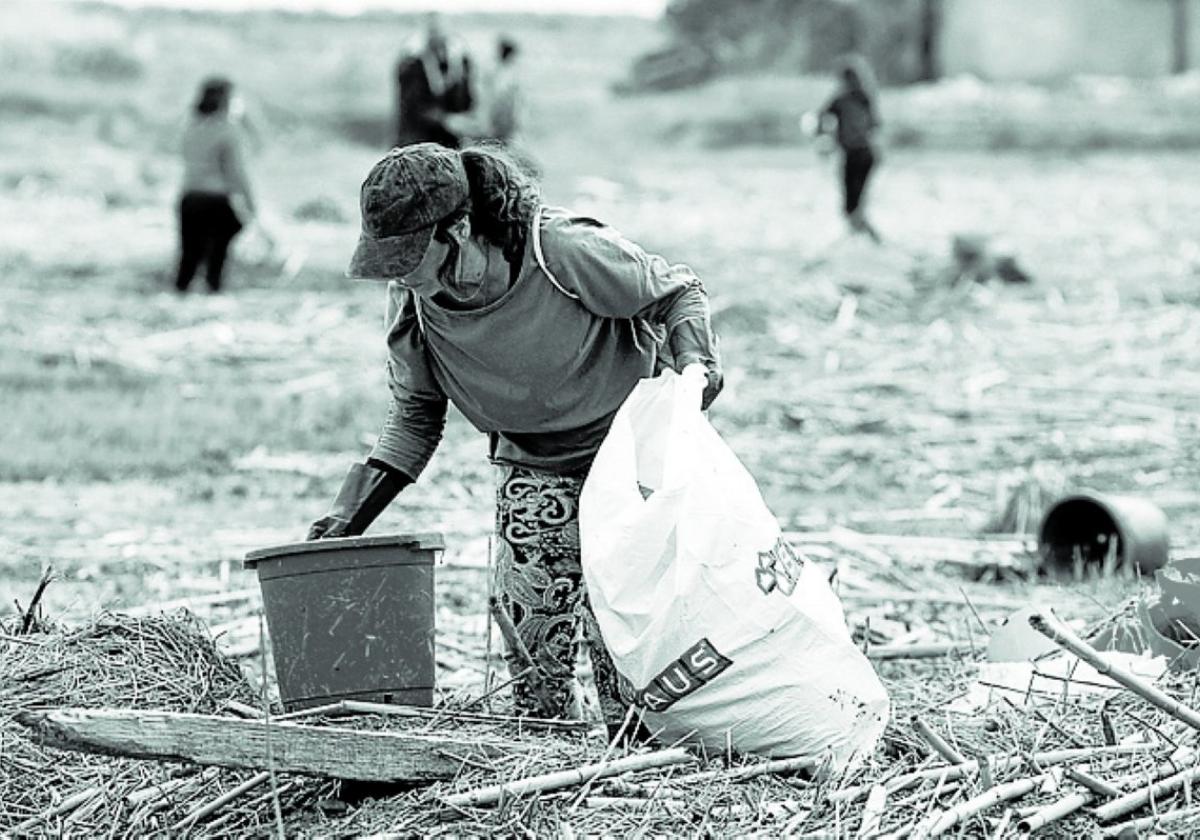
(454, 262)
(426, 279)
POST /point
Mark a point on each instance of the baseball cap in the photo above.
(403, 197)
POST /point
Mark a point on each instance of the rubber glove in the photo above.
(367, 489)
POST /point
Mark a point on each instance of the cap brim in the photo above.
(389, 258)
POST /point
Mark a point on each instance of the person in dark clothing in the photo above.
(207, 225)
(433, 80)
(852, 115)
(216, 199)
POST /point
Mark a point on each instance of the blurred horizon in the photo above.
(349, 8)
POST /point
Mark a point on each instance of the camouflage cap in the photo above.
(405, 195)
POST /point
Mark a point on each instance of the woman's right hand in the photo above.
(365, 492)
(326, 527)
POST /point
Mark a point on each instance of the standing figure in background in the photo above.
(504, 93)
(852, 115)
(216, 201)
(433, 80)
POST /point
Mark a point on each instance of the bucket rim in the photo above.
(423, 541)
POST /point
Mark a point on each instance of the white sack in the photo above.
(722, 628)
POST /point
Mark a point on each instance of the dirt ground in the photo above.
(149, 441)
(863, 389)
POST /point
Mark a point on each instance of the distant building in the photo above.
(1041, 40)
(920, 40)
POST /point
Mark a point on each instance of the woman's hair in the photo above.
(855, 71)
(504, 198)
(214, 95)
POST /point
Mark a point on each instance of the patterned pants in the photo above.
(539, 582)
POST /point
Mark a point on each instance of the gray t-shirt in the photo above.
(543, 369)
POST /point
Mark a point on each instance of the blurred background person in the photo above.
(852, 117)
(433, 81)
(504, 99)
(216, 200)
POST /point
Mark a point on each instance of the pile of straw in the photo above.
(928, 777)
(166, 662)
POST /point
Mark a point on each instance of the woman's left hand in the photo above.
(691, 343)
(714, 379)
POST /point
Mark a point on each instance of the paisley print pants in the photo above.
(539, 583)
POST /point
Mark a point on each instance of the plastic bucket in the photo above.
(1081, 527)
(351, 618)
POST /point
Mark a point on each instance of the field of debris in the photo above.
(908, 425)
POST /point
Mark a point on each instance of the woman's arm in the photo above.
(615, 278)
(410, 434)
(233, 167)
(417, 414)
(690, 336)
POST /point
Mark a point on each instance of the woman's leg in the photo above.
(859, 163)
(225, 226)
(612, 690)
(857, 167)
(191, 240)
(539, 581)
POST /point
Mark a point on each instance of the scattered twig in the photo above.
(221, 801)
(999, 763)
(1069, 737)
(634, 804)
(531, 674)
(245, 709)
(1133, 800)
(923, 650)
(269, 729)
(1072, 803)
(1049, 625)
(1054, 812)
(1000, 793)
(30, 617)
(936, 742)
(1002, 826)
(1152, 822)
(491, 595)
(872, 813)
(498, 687)
(567, 778)
(252, 805)
(155, 793)
(67, 805)
(1086, 780)
(586, 787)
(982, 625)
(774, 767)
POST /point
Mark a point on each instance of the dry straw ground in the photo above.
(148, 442)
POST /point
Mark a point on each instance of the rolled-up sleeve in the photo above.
(417, 413)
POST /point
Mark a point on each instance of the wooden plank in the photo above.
(329, 752)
